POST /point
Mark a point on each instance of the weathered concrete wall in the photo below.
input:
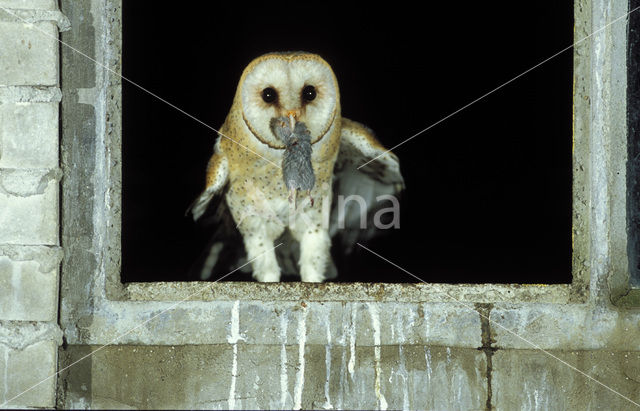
(421, 346)
(331, 377)
(29, 185)
(410, 377)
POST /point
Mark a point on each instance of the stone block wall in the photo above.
(30, 254)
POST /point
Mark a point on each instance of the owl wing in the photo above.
(216, 180)
(211, 212)
(371, 185)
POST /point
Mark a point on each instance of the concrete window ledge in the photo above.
(343, 345)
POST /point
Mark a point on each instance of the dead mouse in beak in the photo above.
(297, 170)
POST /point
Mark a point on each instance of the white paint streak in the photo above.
(234, 335)
(302, 340)
(343, 369)
(352, 343)
(402, 369)
(375, 323)
(234, 373)
(327, 361)
(402, 372)
(284, 379)
(233, 338)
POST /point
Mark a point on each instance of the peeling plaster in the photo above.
(48, 258)
(27, 183)
(22, 334)
(30, 17)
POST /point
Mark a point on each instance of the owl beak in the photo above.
(292, 115)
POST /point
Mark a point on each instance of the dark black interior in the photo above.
(488, 197)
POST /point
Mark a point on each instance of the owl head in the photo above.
(295, 84)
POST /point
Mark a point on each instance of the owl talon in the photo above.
(267, 277)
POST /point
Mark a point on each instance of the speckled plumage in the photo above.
(248, 155)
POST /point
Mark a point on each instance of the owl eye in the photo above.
(269, 95)
(308, 93)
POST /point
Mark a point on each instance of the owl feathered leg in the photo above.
(259, 236)
(315, 244)
(314, 255)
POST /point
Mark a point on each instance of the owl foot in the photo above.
(268, 277)
(311, 276)
(314, 255)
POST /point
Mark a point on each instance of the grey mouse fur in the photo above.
(297, 171)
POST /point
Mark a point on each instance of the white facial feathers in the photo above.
(288, 75)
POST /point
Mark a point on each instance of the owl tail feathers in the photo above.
(332, 271)
(199, 205)
(210, 261)
(203, 268)
(217, 260)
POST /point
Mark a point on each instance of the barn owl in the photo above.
(286, 118)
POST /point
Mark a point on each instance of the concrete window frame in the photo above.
(633, 121)
(96, 308)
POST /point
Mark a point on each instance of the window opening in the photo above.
(488, 192)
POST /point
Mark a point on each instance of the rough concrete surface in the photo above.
(32, 295)
(570, 327)
(26, 94)
(29, 190)
(29, 4)
(29, 135)
(29, 206)
(18, 335)
(409, 377)
(29, 368)
(525, 379)
(27, 56)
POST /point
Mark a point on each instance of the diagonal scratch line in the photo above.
(138, 86)
(137, 326)
(499, 87)
(534, 345)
